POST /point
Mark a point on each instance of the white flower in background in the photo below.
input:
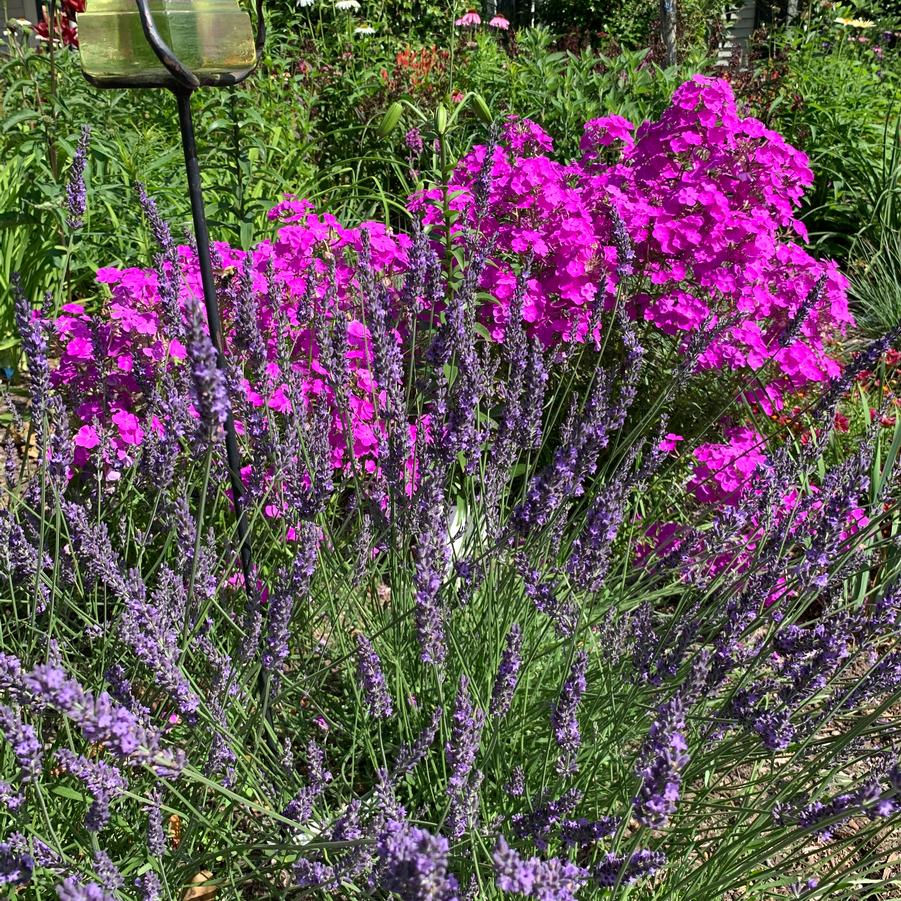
(856, 23)
(347, 4)
(364, 29)
(305, 2)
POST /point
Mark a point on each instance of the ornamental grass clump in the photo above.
(524, 618)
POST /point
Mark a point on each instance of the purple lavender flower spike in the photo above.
(507, 674)
(471, 576)
(413, 864)
(625, 250)
(540, 823)
(95, 546)
(581, 832)
(16, 863)
(98, 718)
(590, 560)
(248, 336)
(107, 872)
(481, 192)
(553, 879)
(156, 835)
(32, 331)
(149, 886)
(76, 192)
(70, 889)
(585, 435)
(810, 302)
(293, 584)
(432, 554)
(121, 690)
(869, 799)
(25, 743)
(45, 856)
(563, 613)
(661, 761)
(388, 370)
(314, 874)
(616, 869)
(300, 808)
(208, 380)
(460, 752)
(516, 428)
(515, 786)
(151, 628)
(316, 765)
(161, 231)
(10, 798)
(512, 872)
(563, 718)
(410, 756)
(375, 689)
(466, 735)
(101, 781)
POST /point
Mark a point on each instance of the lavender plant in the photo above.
(499, 644)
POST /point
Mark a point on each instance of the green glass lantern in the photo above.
(181, 45)
(212, 38)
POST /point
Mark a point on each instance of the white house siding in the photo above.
(740, 23)
(18, 9)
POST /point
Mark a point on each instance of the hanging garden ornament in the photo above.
(161, 43)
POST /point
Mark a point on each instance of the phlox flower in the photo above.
(696, 206)
(723, 471)
(670, 442)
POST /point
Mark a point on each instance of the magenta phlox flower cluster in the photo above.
(708, 201)
(309, 271)
(755, 502)
(696, 210)
(724, 471)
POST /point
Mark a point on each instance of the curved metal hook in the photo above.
(185, 79)
(183, 76)
(261, 31)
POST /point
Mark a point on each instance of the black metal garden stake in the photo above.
(114, 45)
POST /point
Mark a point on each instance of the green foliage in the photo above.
(562, 90)
(254, 145)
(833, 90)
(306, 123)
(417, 21)
(634, 25)
(876, 288)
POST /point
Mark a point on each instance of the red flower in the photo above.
(64, 29)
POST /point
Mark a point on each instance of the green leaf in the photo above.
(10, 122)
(66, 792)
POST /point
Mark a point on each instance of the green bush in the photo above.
(833, 90)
